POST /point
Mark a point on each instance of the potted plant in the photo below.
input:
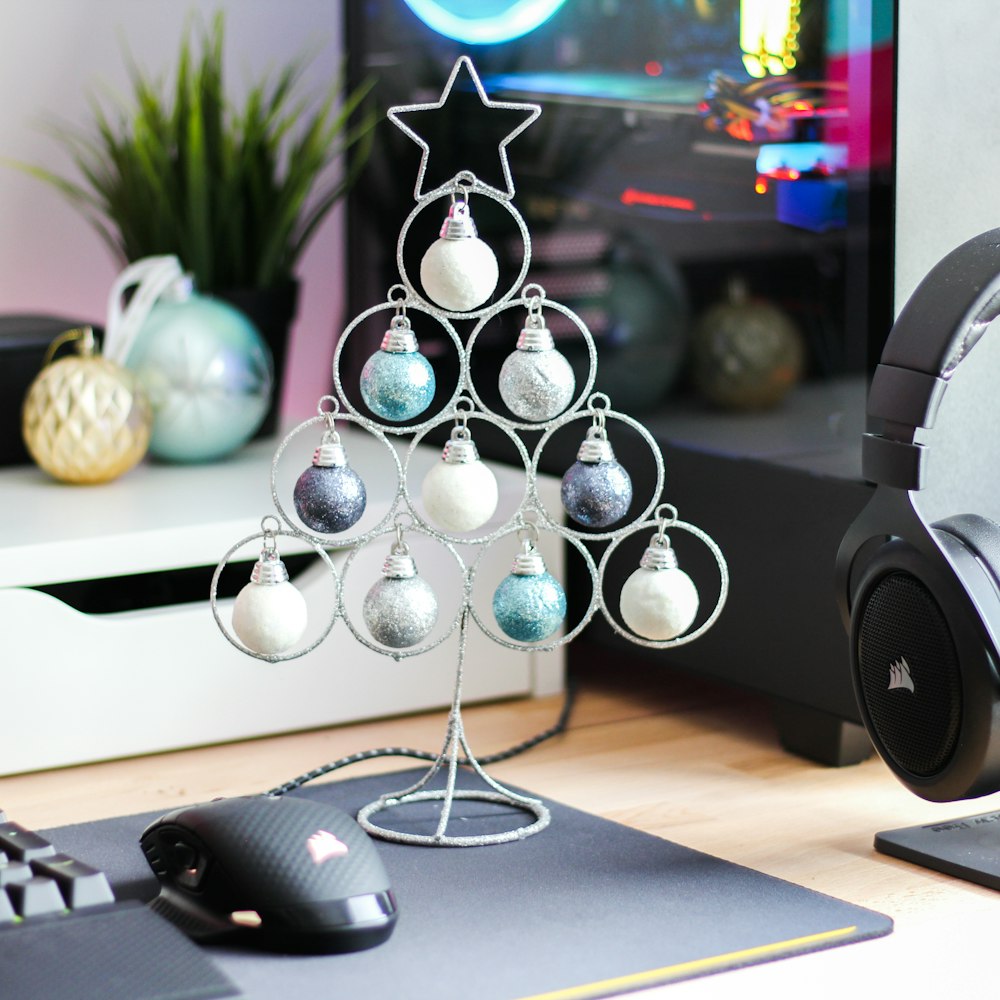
(235, 194)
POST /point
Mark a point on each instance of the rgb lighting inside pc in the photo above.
(684, 145)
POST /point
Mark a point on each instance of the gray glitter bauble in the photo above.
(536, 385)
(596, 494)
(400, 612)
(329, 498)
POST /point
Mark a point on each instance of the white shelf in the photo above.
(163, 677)
(155, 517)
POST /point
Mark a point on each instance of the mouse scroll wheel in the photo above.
(188, 864)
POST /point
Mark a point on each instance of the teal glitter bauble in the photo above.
(397, 385)
(529, 608)
(208, 374)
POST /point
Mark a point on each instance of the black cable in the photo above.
(546, 734)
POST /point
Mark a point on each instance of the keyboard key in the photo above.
(15, 871)
(21, 844)
(63, 936)
(36, 897)
(79, 884)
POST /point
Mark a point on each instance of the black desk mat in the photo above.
(587, 908)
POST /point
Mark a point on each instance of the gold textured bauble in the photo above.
(746, 353)
(84, 419)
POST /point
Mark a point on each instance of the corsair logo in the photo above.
(323, 845)
(899, 675)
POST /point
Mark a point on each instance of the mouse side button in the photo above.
(186, 914)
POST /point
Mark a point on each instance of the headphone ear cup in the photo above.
(923, 662)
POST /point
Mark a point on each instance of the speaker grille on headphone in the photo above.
(909, 674)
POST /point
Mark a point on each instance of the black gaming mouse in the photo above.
(280, 873)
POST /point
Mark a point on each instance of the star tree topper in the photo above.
(531, 112)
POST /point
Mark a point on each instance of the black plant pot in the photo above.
(272, 311)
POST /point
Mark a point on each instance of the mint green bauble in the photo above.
(208, 374)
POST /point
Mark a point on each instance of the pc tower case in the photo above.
(672, 161)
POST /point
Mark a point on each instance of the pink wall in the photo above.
(53, 53)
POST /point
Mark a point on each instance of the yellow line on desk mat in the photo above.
(656, 977)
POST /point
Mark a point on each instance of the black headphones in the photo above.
(921, 602)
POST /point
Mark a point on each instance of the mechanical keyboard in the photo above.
(63, 934)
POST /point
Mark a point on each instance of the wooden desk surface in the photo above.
(696, 764)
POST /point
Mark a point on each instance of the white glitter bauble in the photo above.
(459, 275)
(536, 385)
(269, 618)
(460, 497)
(659, 604)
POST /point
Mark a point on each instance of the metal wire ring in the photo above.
(542, 646)
(472, 186)
(534, 806)
(654, 448)
(588, 339)
(532, 296)
(271, 535)
(687, 637)
(438, 316)
(325, 418)
(664, 521)
(400, 654)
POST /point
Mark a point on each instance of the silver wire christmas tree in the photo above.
(458, 278)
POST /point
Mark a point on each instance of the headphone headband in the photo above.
(940, 323)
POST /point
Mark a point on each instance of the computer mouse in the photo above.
(280, 873)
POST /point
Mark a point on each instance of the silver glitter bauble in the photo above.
(536, 382)
(400, 609)
(536, 385)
